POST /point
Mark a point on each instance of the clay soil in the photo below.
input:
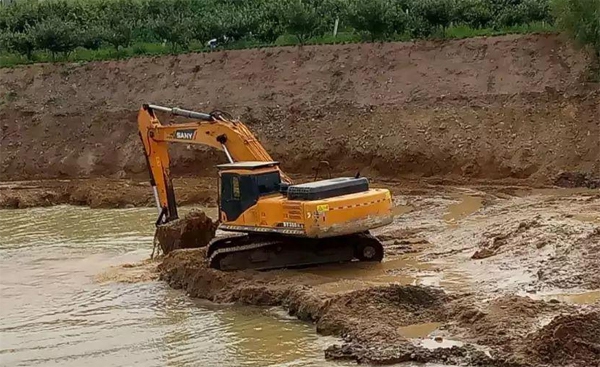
(488, 262)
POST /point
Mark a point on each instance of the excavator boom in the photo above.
(215, 130)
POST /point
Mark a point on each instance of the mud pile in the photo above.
(568, 340)
(502, 323)
(379, 313)
(100, 193)
(578, 179)
(194, 230)
(143, 271)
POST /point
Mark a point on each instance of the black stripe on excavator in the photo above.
(171, 203)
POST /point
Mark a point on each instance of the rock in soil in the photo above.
(194, 230)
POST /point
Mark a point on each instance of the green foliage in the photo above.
(19, 42)
(91, 37)
(581, 19)
(176, 29)
(474, 13)
(379, 18)
(56, 36)
(175, 25)
(118, 20)
(300, 18)
(121, 28)
(429, 15)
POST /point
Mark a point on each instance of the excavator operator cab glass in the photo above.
(243, 183)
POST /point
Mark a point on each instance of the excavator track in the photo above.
(260, 252)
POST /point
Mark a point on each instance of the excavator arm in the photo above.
(215, 130)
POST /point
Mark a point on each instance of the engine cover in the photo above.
(327, 188)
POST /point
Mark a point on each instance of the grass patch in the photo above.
(463, 31)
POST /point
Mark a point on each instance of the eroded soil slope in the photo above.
(512, 106)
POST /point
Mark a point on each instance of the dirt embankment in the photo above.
(101, 193)
(512, 106)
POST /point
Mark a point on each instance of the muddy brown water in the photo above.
(54, 312)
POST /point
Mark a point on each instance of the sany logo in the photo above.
(185, 134)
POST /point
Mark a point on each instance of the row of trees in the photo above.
(60, 26)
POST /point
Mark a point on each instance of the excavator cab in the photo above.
(242, 184)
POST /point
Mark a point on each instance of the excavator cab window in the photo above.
(268, 183)
(235, 187)
(240, 192)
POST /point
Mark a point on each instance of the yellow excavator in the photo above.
(274, 222)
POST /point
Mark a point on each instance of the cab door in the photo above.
(238, 194)
(231, 203)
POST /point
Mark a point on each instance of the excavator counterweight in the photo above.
(274, 222)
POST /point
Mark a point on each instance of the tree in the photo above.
(433, 13)
(376, 17)
(581, 20)
(22, 43)
(18, 17)
(91, 37)
(268, 21)
(474, 13)
(177, 29)
(56, 36)
(300, 19)
(536, 10)
(119, 19)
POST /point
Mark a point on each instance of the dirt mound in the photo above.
(538, 242)
(378, 313)
(496, 107)
(393, 354)
(143, 271)
(578, 266)
(577, 179)
(568, 340)
(100, 193)
(194, 230)
(502, 322)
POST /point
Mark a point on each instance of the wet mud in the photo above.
(143, 271)
(195, 229)
(433, 299)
